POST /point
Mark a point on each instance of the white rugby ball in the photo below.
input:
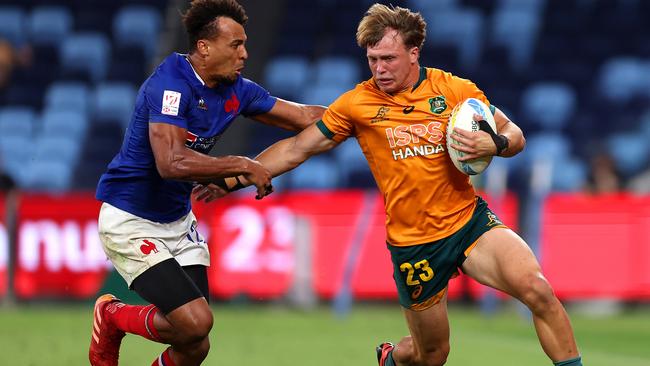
(462, 117)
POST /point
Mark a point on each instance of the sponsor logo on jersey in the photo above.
(200, 144)
(494, 220)
(171, 101)
(418, 139)
(232, 104)
(202, 104)
(416, 292)
(381, 115)
(438, 104)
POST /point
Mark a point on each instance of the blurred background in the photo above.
(573, 74)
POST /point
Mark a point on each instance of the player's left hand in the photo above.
(208, 193)
(474, 144)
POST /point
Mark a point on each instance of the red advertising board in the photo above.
(58, 253)
(597, 246)
(254, 244)
(4, 247)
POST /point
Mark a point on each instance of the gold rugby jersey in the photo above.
(403, 137)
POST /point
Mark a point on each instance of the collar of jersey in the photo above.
(423, 75)
(192, 68)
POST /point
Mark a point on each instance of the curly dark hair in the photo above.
(200, 18)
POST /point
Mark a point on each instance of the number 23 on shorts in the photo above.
(425, 273)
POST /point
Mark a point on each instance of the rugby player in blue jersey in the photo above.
(146, 225)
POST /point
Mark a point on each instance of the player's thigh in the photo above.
(502, 260)
(167, 285)
(429, 328)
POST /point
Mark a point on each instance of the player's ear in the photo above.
(202, 47)
(414, 54)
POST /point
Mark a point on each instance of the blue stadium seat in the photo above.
(324, 95)
(87, 52)
(47, 175)
(645, 124)
(137, 25)
(551, 146)
(517, 30)
(549, 104)
(428, 6)
(16, 122)
(286, 76)
(12, 25)
(64, 123)
(336, 71)
(60, 148)
(319, 172)
(113, 102)
(49, 25)
(570, 175)
(16, 153)
(67, 96)
(622, 78)
(350, 159)
(630, 152)
(533, 6)
(461, 28)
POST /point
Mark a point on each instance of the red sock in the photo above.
(136, 319)
(165, 359)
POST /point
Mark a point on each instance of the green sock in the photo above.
(572, 362)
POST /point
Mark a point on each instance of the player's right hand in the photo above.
(260, 177)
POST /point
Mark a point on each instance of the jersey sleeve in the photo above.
(467, 89)
(256, 99)
(168, 101)
(336, 123)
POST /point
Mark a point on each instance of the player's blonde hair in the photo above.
(410, 25)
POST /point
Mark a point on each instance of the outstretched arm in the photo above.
(290, 115)
(175, 161)
(287, 154)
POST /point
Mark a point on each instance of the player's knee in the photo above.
(537, 293)
(200, 351)
(198, 329)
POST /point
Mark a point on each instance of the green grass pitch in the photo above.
(274, 335)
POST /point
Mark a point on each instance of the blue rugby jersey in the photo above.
(173, 94)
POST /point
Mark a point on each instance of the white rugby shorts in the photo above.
(135, 244)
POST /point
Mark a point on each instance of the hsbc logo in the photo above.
(69, 245)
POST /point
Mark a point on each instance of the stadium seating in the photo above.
(336, 71)
(286, 84)
(87, 52)
(319, 172)
(460, 28)
(67, 96)
(557, 74)
(69, 123)
(137, 25)
(517, 30)
(549, 104)
(630, 151)
(569, 176)
(621, 79)
(12, 24)
(49, 25)
(16, 122)
(113, 102)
